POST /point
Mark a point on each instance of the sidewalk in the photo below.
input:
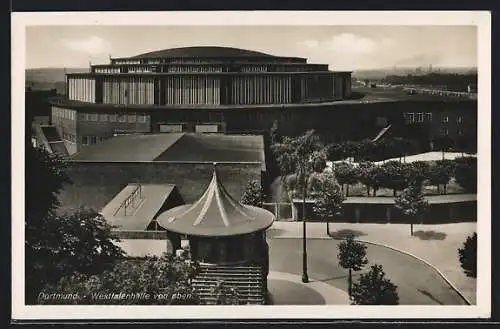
(437, 244)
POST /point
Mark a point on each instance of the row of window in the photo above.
(88, 140)
(411, 117)
(104, 117)
(64, 113)
(445, 132)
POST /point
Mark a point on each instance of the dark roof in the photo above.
(216, 213)
(182, 147)
(145, 147)
(203, 51)
(216, 148)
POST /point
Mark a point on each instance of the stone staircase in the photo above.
(249, 282)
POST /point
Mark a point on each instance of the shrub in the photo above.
(468, 256)
(373, 288)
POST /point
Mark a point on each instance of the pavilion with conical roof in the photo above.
(220, 230)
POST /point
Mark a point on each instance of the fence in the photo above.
(282, 211)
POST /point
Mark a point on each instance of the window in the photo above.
(420, 117)
(410, 117)
(444, 131)
(460, 132)
(122, 118)
(93, 116)
(131, 118)
(93, 139)
(444, 119)
(112, 117)
(83, 116)
(85, 140)
(103, 117)
(428, 116)
(459, 119)
(141, 118)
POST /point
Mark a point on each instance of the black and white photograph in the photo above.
(251, 165)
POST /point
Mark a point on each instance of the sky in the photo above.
(342, 47)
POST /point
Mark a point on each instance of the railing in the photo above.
(137, 193)
(281, 210)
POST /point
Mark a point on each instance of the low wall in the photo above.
(94, 184)
(439, 213)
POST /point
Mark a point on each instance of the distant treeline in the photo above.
(451, 81)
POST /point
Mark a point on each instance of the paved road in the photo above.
(418, 284)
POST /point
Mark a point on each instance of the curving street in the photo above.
(418, 284)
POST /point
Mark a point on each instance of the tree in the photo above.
(373, 288)
(294, 156)
(59, 246)
(253, 194)
(412, 203)
(440, 173)
(418, 171)
(319, 161)
(153, 280)
(396, 175)
(466, 173)
(346, 174)
(371, 175)
(352, 256)
(225, 294)
(468, 256)
(364, 171)
(329, 198)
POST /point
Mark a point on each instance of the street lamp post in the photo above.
(305, 277)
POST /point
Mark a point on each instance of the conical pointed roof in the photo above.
(216, 213)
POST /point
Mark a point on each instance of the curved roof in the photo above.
(216, 213)
(203, 51)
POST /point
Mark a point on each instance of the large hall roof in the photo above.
(203, 51)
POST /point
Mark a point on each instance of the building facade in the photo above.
(228, 90)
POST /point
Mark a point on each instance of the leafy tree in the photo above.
(364, 171)
(153, 280)
(225, 294)
(62, 245)
(329, 198)
(352, 256)
(319, 161)
(346, 174)
(468, 256)
(418, 171)
(372, 176)
(58, 245)
(412, 203)
(440, 173)
(253, 194)
(466, 173)
(396, 175)
(373, 288)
